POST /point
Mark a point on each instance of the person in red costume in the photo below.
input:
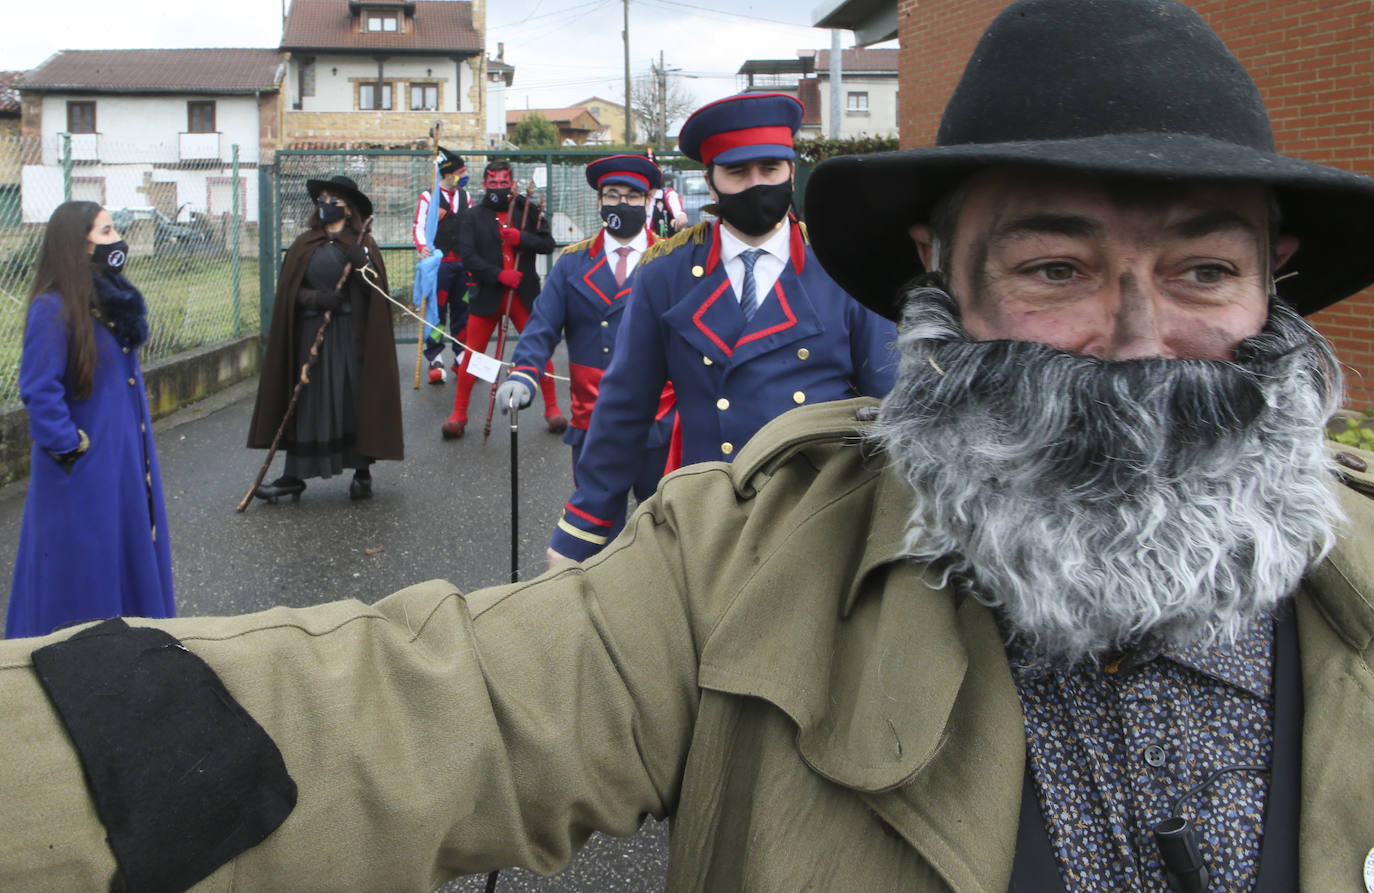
(498, 238)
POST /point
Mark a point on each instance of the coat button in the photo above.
(706, 361)
(605, 324)
(125, 349)
(131, 382)
(727, 448)
(798, 398)
(698, 271)
(1155, 755)
(605, 350)
(803, 354)
(722, 404)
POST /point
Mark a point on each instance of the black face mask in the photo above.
(331, 213)
(756, 210)
(498, 198)
(110, 257)
(624, 219)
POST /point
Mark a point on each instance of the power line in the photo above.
(676, 6)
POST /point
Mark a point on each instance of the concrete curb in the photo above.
(172, 383)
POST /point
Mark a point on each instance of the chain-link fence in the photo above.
(191, 226)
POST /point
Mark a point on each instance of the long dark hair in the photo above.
(64, 267)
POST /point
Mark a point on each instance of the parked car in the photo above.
(691, 185)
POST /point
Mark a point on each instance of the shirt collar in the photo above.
(637, 245)
(777, 244)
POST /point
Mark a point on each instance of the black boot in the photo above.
(361, 488)
(282, 486)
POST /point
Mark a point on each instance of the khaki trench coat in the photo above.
(750, 657)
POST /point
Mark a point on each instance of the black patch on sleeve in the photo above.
(183, 778)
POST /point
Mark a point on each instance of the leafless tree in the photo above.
(657, 101)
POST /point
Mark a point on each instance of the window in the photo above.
(307, 77)
(381, 21)
(596, 112)
(424, 97)
(200, 117)
(368, 99)
(81, 117)
(858, 102)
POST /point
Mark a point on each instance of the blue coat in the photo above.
(810, 343)
(581, 302)
(94, 540)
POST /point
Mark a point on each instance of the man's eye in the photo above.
(1057, 272)
(1210, 274)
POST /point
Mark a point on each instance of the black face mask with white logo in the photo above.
(110, 257)
(623, 220)
(331, 213)
(757, 210)
(498, 198)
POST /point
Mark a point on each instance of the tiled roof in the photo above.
(568, 117)
(9, 92)
(859, 60)
(158, 71)
(437, 26)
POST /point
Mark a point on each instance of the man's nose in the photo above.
(1137, 330)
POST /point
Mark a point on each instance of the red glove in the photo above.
(509, 278)
(510, 236)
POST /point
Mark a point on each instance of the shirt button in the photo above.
(727, 448)
(799, 398)
(722, 404)
(705, 361)
(131, 382)
(1155, 755)
(803, 354)
(605, 324)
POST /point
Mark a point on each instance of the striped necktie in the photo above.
(749, 299)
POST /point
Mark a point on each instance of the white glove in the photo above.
(513, 390)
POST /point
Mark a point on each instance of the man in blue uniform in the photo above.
(736, 313)
(583, 299)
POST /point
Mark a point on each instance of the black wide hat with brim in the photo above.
(1117, 88)
(346, 188)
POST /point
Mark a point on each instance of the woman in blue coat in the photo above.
(94, 540)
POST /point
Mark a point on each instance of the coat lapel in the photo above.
(787, 316)
(708, 317)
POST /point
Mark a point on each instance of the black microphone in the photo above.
(1179, 845)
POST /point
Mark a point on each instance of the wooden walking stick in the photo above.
(434, 196)
(512, 295)
(301, 382)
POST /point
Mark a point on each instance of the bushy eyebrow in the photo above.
(1046, 223)
(1215, 220)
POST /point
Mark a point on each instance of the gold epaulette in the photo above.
(576, 246)
(806, 237)
(697, 235)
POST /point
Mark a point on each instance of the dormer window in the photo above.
(381, 21)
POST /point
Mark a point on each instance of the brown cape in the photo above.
(379, 409)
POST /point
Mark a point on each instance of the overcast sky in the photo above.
(563, 50)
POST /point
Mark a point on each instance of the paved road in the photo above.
(443, 512)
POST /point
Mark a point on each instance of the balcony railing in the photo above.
(199, 146)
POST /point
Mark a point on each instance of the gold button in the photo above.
(706, 361)
(605, 324)
(142, 427)
(605, 350)
(131, 382)
(727, 448)
(149, 478)
(722, 404)
(126, 350)
(803, 354)
(798, 398)
(698, 271)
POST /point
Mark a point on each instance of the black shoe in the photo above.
(282, 486)
(361, 488)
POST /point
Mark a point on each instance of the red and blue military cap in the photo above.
(746, 127)
(634, 171)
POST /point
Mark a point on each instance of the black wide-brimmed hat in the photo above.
(344, 187)
(1131, 88)
(451, 161)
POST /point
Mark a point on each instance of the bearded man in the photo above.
(1086, 608)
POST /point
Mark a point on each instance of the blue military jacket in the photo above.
(581, 302)
(809, 343)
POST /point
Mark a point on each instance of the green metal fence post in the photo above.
(267, 248)
(234, 251)
(66, 167)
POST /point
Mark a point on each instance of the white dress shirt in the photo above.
(768, 267)
(637, 246)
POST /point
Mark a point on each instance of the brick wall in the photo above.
(462, 130)
(1313, 64)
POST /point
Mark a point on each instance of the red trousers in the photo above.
(477, 335)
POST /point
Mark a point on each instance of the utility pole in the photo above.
(629, 112)
(662, 103)
(836, 110)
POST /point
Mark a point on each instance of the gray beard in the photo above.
(1093, 503)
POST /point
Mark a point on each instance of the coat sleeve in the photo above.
(478, 265)
(619, 431)
(545, 327)
(872, 346)
(42, 375)
(430, 735)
